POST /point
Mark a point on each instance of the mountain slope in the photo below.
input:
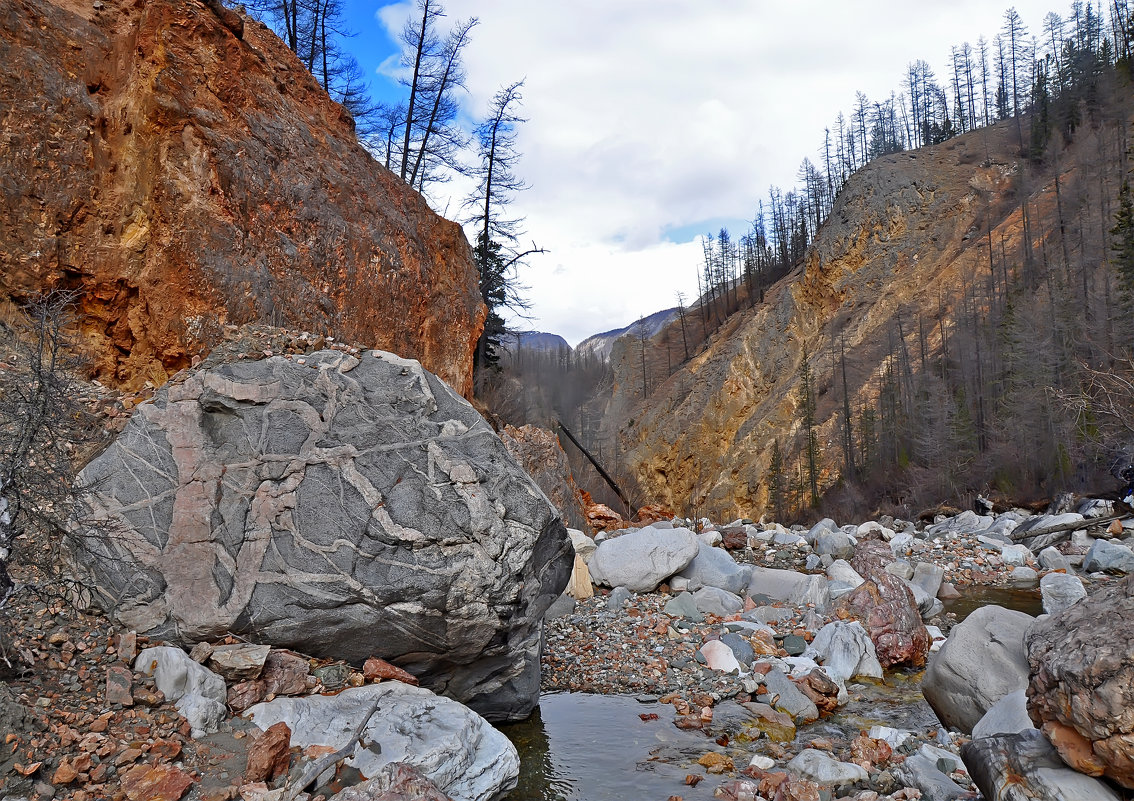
(601, 344)
(183, 172)
(898, 279)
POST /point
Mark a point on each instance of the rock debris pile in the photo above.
(760, 637)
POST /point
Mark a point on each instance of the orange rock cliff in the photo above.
(185, 173)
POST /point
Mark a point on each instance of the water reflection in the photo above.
(581, 747)
(1025, 600)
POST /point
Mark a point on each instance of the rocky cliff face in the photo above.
(907, 235)
(183, 173)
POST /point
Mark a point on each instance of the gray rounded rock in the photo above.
(1059, 591)
(715, 601)
(983, 660)
(714, 567)
(642, 560)
(1109, 557)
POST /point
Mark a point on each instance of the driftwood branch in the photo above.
(1075, 525)
(316, 768)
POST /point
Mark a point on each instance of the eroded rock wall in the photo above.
(181, 176)
(907, 234)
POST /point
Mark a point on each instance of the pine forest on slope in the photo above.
(956, 318)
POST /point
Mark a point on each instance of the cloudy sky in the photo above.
(651, 122)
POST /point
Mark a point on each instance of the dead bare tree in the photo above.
(41, 422)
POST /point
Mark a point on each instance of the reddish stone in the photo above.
(119, 681)
(65, 773)
(166, 749)
(735, 539)
(652, 513)
(603, 518)
(269, 756)
(245, 694)
(128, 647)
(867, 752)
(885, 606)
(155, 783)
(377, 669)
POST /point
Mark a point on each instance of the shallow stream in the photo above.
(584, 747)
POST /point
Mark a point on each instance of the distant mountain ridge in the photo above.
(600, 344)
(533, 340)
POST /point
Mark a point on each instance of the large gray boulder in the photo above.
(643, 559)
(1025, 767)
(789, 586)
(1109, 557)
(715, 567)
(343, 507)
(983, 660)
(455, 748)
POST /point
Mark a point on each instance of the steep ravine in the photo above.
(907, 235)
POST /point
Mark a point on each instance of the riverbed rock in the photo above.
(788, 698)
(1109, 557)
(826, 771)
(929, 577)
(824, 525)
(197, 692)
(1015, 555)
(240, 661)
(741, 648)
(715, 601)
(845, 651)
(718, 656)
(843, 578)
(618, 596)
(396, 781)
(1051, 559)
(798, 589)
(584, 546)
(715, 567)
(682, 605)
(1060, 590)
(967, 522)
(1022, 576)
(1009, 715)
(982, 661)
(464, 756)
(778, 726)
(643, 559)
(1081, 688)
(1025, 767)
(345, 507)
(837, 543)
(887, 609)
(1043, 531)
(922, 772)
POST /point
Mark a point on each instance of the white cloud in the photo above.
(655, 115)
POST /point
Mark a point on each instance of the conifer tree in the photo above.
(1122, 246)
(806, 406)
